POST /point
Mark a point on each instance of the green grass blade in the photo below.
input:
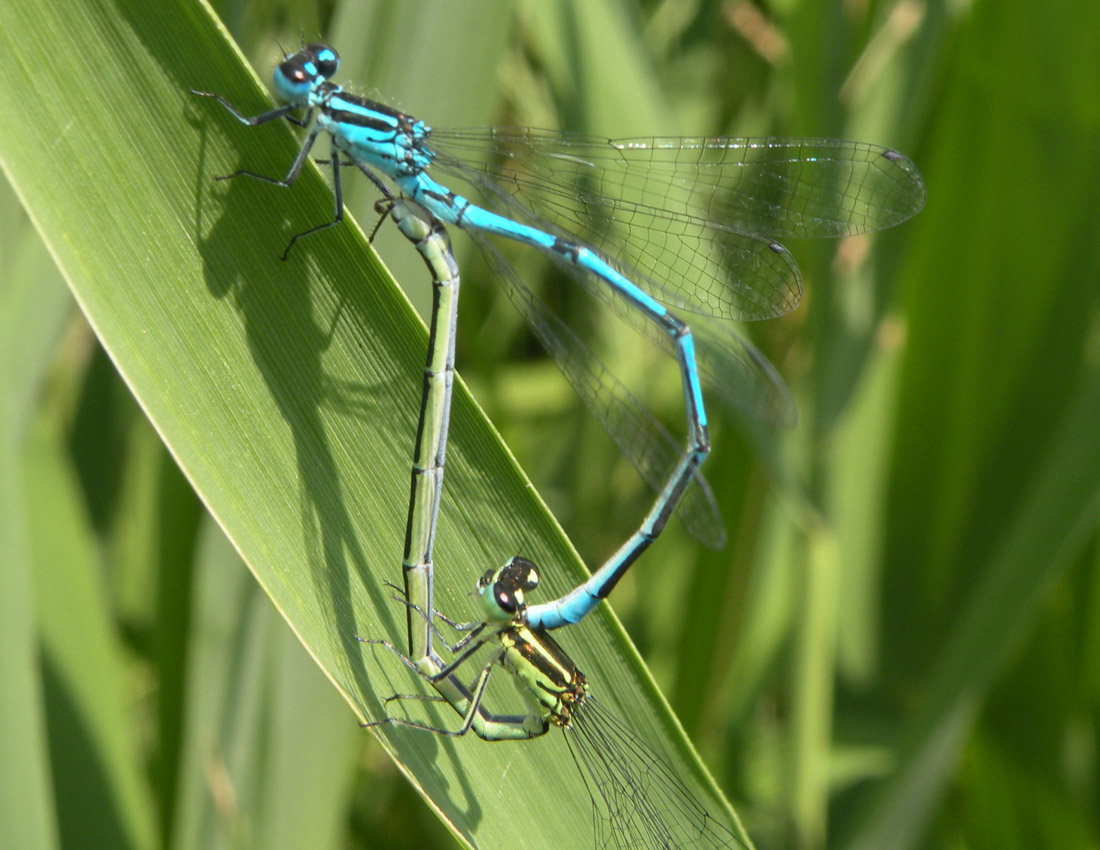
(98, 774)
(262, 727)
(31, 315)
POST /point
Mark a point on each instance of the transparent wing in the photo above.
(730, 366)
(636, 431)
(637, 800)
(699, 216)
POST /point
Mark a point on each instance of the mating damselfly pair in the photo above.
(657, 229)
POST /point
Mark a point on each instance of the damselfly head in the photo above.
(502, 591)
(296, 75)
(325, 59)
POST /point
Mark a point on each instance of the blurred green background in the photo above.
(900, 646)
